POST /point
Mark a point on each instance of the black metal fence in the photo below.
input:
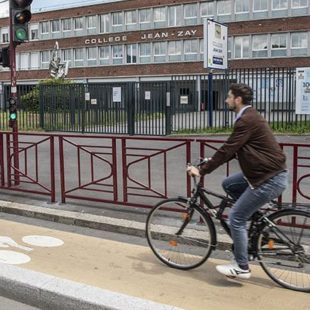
(182, 104)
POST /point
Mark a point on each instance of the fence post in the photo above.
(131, 102)
(210, 99)
(168, 113)
(62, 169)
(41, 107)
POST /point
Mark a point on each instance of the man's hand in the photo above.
(193, 171)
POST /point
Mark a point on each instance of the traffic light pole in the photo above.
(13, 124)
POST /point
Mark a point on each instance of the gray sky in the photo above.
(42, 5)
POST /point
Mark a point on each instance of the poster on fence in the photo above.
(117, 94)
(302, 90)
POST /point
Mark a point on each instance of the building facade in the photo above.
(147, 39)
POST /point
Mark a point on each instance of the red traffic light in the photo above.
(22, 17)
(21, 3)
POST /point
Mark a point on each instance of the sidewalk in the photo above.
(129, 221)
(93, 273)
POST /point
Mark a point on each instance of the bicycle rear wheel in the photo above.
(284, 249)
(175, 245)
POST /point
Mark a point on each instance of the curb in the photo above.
(52, 293)
(122, 226)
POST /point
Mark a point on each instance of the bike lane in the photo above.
(135, 271)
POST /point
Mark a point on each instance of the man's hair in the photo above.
(242, 90)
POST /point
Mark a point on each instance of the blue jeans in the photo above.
(248, 201)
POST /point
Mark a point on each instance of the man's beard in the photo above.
(232, 108)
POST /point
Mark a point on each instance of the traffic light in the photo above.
(5, 57)
(12, 111)
(21, 15)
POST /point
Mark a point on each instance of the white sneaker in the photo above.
(233, 271)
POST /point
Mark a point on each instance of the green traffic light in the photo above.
(13, 116)
(21, 34)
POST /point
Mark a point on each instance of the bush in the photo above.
(31, 101)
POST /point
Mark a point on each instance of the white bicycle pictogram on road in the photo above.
(16, 258)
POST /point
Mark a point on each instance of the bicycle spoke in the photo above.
(284, 249)
(187, 249)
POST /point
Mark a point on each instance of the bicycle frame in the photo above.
(258, 220)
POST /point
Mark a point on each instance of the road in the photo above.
(126, 265)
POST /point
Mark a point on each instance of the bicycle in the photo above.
(181, 233)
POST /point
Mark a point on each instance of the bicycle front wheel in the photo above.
(284, 249)
(181, 236)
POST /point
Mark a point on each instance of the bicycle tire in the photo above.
(288, 264)
(188, 250)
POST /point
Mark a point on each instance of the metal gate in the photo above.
(113, 108)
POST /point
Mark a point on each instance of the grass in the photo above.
(63, 120)
(299, 128)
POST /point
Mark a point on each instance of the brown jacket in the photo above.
(259, 154)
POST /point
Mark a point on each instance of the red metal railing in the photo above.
(132, 171)
(145, 151)
(298, 159)
(94, 170)
(26, 174)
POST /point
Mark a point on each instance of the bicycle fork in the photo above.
(186, 221)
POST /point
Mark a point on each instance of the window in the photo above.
(260, 5)
(299, 43)
(159, 14)
(55, 25)
(190, 49)
(160, 51)
(190, 14)
(24, 61)
(34, 60)
(5, 37)
(91, 53)
(91, 22)
(279, 45)
(67, 55)
(242, 6)
(104, 23)
(104, 55)
(207, 9)
(279, 4)
(79, 57)
(34, 31)
(242, 47)
(174, 50)
(174, 15)
(45, 27)
(117, 19)
(145, 52)
(131, 53)
(145, 16)
(224, 7)
(78, 23)
(45, 59)
(131, 17)
(299, 4)
(66, 24)
(260, 46)
(117, 54)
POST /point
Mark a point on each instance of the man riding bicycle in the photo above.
(264, 175)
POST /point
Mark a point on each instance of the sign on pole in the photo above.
(215, 45)
(302, 90)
